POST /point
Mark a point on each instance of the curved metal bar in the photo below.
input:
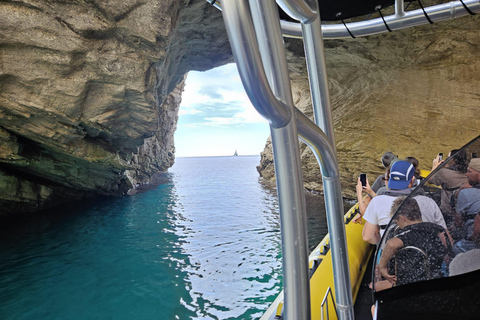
(243, 41)
(445, 11)
(299, 9)
(288, 168)
(454, 9)
(317, 74)
(284, 138)
(318, 141)
(272, 50)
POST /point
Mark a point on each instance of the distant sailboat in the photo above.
(236, 153)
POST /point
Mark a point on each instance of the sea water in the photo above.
(204, 244)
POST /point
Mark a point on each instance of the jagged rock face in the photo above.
(414, 92)
(90, 90)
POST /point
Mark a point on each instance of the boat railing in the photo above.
(263, 69)
(324, 305)
(399, 20)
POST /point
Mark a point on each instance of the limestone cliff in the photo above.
(415, 92)
(90, 90)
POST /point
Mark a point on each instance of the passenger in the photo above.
(418, 176)
(377, 213)
(468, 210)
(382, 190)
(450, 179)
(364, 201)
(430, 238)
(387, 159)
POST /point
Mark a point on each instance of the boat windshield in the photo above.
(434, 232)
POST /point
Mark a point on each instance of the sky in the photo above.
(216, 117)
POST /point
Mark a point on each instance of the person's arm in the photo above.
(444, 237)
(476, 229)
(436, 162)
(391, 247)
(460, 207)
(371, 233)
(362, 203)
(459, 220)
(436, 179)
(369, 190)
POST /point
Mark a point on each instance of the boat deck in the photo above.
(364, 300)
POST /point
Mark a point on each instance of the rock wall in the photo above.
(414, 92)
(90, 90)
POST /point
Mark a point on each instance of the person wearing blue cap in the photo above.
(378, 213)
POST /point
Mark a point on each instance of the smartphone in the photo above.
(474, 155)
(440, 156)
(363, 179)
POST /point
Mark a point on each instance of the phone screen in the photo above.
(474, 155)
(440, 156)
(363, 179)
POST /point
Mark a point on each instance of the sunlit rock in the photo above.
(89, 93)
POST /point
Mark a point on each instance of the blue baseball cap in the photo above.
(401, 175)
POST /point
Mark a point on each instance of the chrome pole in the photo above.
(317, 74)
(399, 9)
(243, 41)
(288, 168)
(318, 141)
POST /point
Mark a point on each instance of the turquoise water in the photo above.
(205, 244)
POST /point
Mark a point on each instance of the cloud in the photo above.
(217, 98)
(187, 111)
(216, 116)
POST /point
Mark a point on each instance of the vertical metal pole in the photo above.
(317, 73)
(399, 9)
(288, 167)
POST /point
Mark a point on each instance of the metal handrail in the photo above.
(288, 168)
(242, 39)
(325, 300)
(285, 146)
(397, 21)
(317, 74)
(267, 61)
(262, 68)
(445, 11)
(300, 10)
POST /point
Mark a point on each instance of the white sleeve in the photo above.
(370, 214)
(430, 211)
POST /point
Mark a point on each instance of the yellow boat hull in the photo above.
(359, 253)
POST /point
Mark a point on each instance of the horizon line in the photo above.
(243, 155)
